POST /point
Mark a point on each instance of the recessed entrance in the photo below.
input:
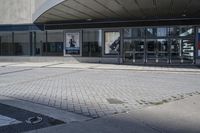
(163, 45)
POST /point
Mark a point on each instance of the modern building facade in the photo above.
(108, 31)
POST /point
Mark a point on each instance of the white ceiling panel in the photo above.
(81, 8)
(94, 5)
(120, 9)
(61, 14)
(114, 7)
(132, 8)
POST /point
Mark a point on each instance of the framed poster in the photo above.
(111, 42)
(72, 43)
(198, 47)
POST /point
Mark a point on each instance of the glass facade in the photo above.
(168, 45)
(39, 43)
(22, 43)
(6, 44)
(134, 45)
(54, 44)
(182, 47)
(174, 45)
(92, 46)
(15, 44)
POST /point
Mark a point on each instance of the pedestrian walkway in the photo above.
(175, 117)
(95, 90)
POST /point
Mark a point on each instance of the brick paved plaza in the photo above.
(95, 92)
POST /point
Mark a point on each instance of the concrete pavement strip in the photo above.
(104, 66)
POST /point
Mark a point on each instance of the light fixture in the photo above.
(184, 15)
(89, 19)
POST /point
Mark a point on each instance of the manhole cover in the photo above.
(34, 120)
(114, 101)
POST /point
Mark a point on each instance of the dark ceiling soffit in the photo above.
(22, 27)
(129, 23)
(115, 21)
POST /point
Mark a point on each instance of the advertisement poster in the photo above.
(112, 42)
(199, 44)
(72, 45)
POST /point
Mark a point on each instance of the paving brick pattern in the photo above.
(87, 91)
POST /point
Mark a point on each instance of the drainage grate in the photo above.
(34, 120)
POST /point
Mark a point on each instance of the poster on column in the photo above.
(199, 44)
(112, 42)
(72, 44)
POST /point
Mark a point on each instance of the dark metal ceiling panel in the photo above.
(148, 8)
(163, 8)
(194, 8)
(179, 7)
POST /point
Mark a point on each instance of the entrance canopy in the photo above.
(88, 10)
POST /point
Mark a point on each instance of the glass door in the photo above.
(134, 45)
(152, 51)
(134, 51)
(157, 51)
(163, 51)
(128, 51)
(176, 54)
(139, 52)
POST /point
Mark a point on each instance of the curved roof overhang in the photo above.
(44, 8)
(86, 10)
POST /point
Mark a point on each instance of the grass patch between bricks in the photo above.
(160, 102)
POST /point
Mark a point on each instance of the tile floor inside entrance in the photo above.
(95, 92)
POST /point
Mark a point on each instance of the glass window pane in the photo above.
(40, 43)
(186, 31)
(156, 32)
(54, 46)
(151, 32)
(138, 32)
(161, 32)
(6, 46)
(128, 32)
(91, 43)
(134, 33)
(181, 31)
(128, 45)
(139, 45)
(22, 43)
